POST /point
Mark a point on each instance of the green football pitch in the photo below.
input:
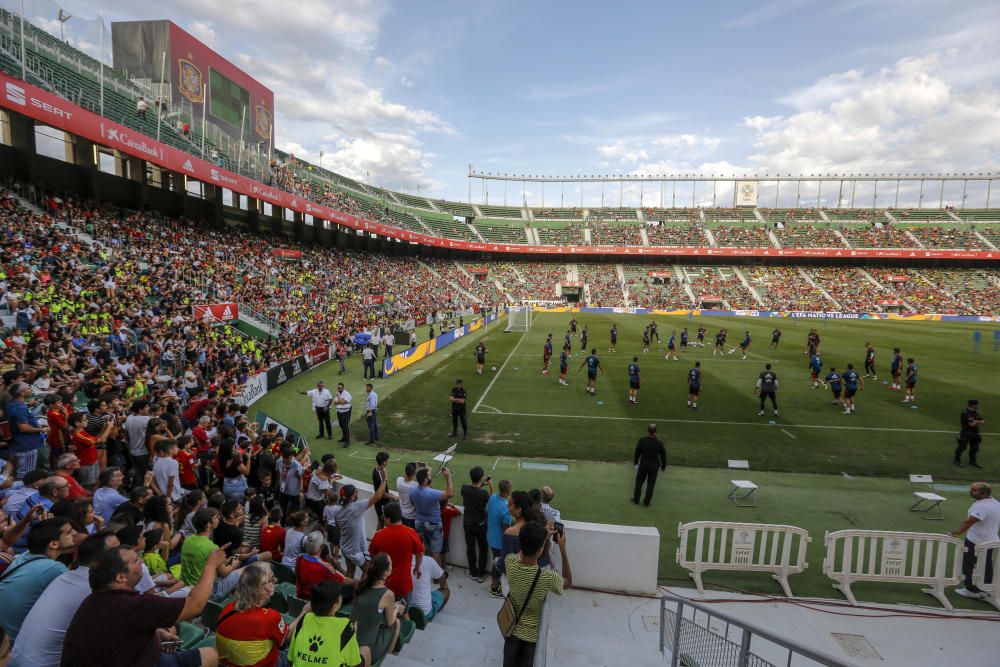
(816, 468)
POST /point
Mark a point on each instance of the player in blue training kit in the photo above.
(835, 380)
(633, 381)
(546, 355)
(815, 368)
(720, 343)
(563, 365)
(853, 382)
(870, 361)
(694, 385)
(583, 338)
(701, 337)
(745, 343)
(645, 339)
(684, 340)
(568, 341)
(911, 381)
(593, 365)
(896, 369)
(775, 337)
(614, 338)
(672, 346)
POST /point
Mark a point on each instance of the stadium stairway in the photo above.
(580, 628)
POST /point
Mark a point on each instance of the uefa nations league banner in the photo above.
(279, 374)
(398, 362)
(789, 314)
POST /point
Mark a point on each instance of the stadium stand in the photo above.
(557, 214)
(730, 215)
(857, 215)
(676, 235)
(788, 216)
(796, 235)
(501, 231)
(643, 292)
(447, 226)
(604, 233)
(922, 215)
(979, 215)
(741, 236)
(783, 288)
(683, 215)
(718, 281)
(613, 214)
(566, 235)
(456, 208)
(603, 284)
(876, 237)
(951, 237)
(503, 212)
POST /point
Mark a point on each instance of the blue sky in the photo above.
(408, 94)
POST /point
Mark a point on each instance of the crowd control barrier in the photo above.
(742, 547)
(893, 557)
(988, 568)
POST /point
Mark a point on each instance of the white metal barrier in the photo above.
(893, 557)
(988, 551)
(742, 547)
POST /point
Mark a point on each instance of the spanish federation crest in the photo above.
(189, 84)
(262, 122)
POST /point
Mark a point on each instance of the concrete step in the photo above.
(595, 650)
(469, 627)
(445, 647)
(401, 661)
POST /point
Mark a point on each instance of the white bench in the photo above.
(743, 493)
(921, 483)
(928, 504)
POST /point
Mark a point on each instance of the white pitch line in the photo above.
(725, 423)
(503, 366)
(491, 408)
(789, 434)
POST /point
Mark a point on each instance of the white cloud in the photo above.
(901, 118)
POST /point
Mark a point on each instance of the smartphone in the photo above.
(560, 528)
(489, 478)
(170, 646)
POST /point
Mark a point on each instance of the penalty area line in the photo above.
(789, 434)
(726, 423)
(503, 366)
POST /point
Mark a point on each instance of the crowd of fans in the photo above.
(604, 285)
(741, 236)
(663, 294)
(603, 233)
(692, 235)
(569, 235)
(877, 236)
(719, 282)
(851, 289)
(784, 288)
(947, 237)
(808, 236)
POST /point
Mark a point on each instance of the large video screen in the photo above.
(227, 100)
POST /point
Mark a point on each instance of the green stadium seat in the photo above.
(283, 573)
(190, 634)
(287, 589)
(210, 615)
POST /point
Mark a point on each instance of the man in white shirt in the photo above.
(40, 641)
(982, 525)
(321, 399)
(371, 408)
(422, 597)
(404, 485)
(389, 341)
(135, 427)
(167, 471)
(368, 354)
(343, 402)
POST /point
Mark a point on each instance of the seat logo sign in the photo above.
(15, 94)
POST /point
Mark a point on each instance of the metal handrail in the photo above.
(742, 645)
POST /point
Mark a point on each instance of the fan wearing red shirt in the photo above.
(187, 461)
(68, 464)
(194, 410)
(84, 446)
(402, 544)
(272, 536)
(56, 416)
(311, 569)
(249, 634)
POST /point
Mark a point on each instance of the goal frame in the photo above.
(519, 318)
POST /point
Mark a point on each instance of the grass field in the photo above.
(817, 468)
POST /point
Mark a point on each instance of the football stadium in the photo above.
(262, 407)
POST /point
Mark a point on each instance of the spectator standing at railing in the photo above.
(140, 107)
(981, 526)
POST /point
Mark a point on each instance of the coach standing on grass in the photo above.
(458, 399)
(650, 458)
(321, 400)
(969, 435)
(343, 402)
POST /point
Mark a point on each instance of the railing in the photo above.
(272, 325)
(988, 567)
(697, 635)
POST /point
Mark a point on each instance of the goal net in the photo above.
(518, 318)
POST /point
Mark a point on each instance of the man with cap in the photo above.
(457, 399)
(969, 436)
(650, 458)
(321, 400)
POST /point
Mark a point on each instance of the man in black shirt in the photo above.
(969, 435)
(457, 399)
(767, 386)
(474, 498)
(649, 459)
